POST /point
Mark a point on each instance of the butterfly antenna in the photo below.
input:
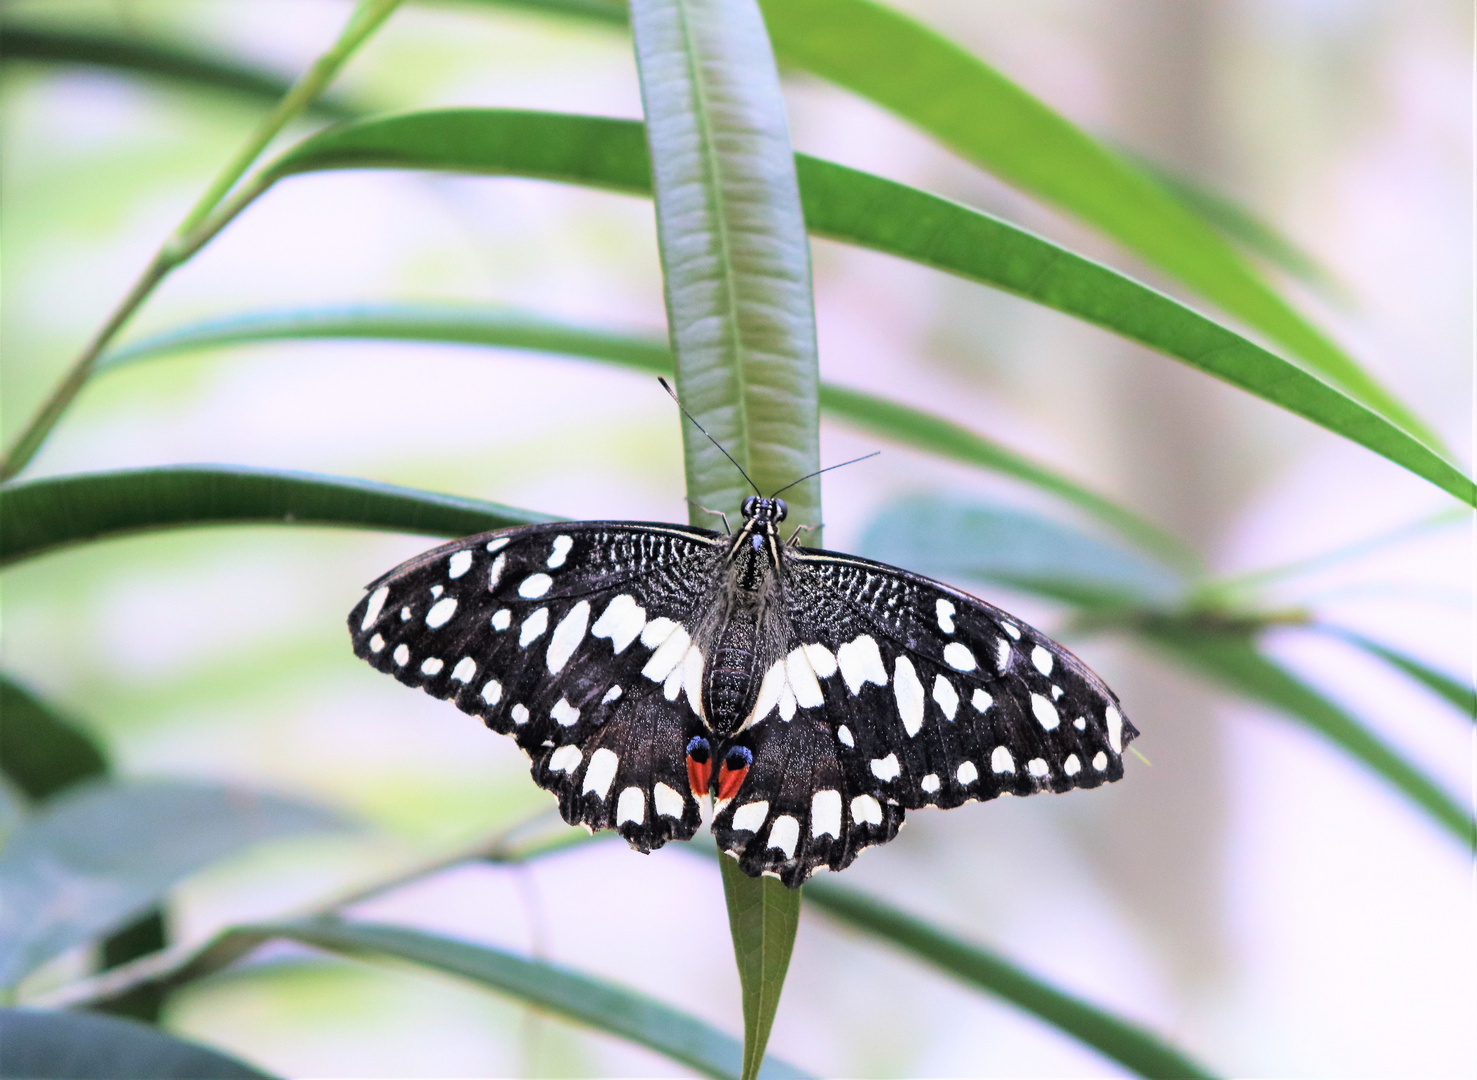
(828, 468)
(668, 388)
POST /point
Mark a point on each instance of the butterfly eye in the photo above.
(780, 509)
(697, 749)
(738, 757)
(749, 506)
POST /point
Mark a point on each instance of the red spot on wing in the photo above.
(698, 776)
(730, 780)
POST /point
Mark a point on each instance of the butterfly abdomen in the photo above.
(731, 679)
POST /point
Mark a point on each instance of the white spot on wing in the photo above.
(802, 680)
(929, 783)
(401, 654)
(656, 632)
(600, 773)
(946, 696)
(1042, 659)
(866, 810)
(1045, 712)
(770, 689)
(981, 701)
(750, 817)
(567, 636)
(520, 714)
(460, 563)
(787, 703)
(436, 591)
(784, 834)
(492, 693)
(822, 660)
(1011, 629)
(844, 734)
(465, 668)
(958, 657)
(825, 813)
(534, 586)
(432, 665)
(1072, 766)
(441, 612)
(564, 714)
(1037, 767)
(495, 571)
(667, 656)
(1115, 729)
(1080, 723)
(376, 643)
(502, 619)
(376, 605)
(668, 802)
(909, 694)
(610, 695)
(886, 768)
(1002, 654)
(1100, 761)
(621, 621)
(498, 544)
(967, 773)
(405, 614)
(861, 663)
(945, 609)
(566, 759)
(631, 806)
(1001, 761)
(692, 678)
(673, 686)
(562, 544)
(533, 626)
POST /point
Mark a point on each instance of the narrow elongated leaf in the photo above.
(467, 325)
(36, 1045)
(859, 208)
(957, 539)
(902, 65)
(584, 999)
(1232, 659)
(763, 918)
(1461, 695)
(98, 857)
(736, 273)
(38, 516)
(1128, 1044)
(42, 751)
(169, 61)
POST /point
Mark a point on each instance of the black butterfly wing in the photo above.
(898, 692)
(569, 637)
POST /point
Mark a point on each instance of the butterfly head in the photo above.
(762, 511)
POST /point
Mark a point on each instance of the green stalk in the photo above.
(198, 226)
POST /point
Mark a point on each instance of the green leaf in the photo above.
(169, 61)
(558, 989)
(98, 857)
(1131, 1046)
(1461, 695)
(862, 209)
(763, 917)
(37, 1045)
(964, 539)
(736, 274)
(38, 516)
(936, 85)
(42, 751)
(735, 255)
(1231, 658)
(468, 325)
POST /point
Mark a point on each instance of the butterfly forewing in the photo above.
(863, 690)
(544, 632)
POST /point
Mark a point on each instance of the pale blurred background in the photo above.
(1254, 895)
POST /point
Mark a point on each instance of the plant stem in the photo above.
(199, 225)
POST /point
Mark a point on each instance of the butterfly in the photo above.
(816, 697)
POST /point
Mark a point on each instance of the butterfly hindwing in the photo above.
(549, 633)
(898, 692)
